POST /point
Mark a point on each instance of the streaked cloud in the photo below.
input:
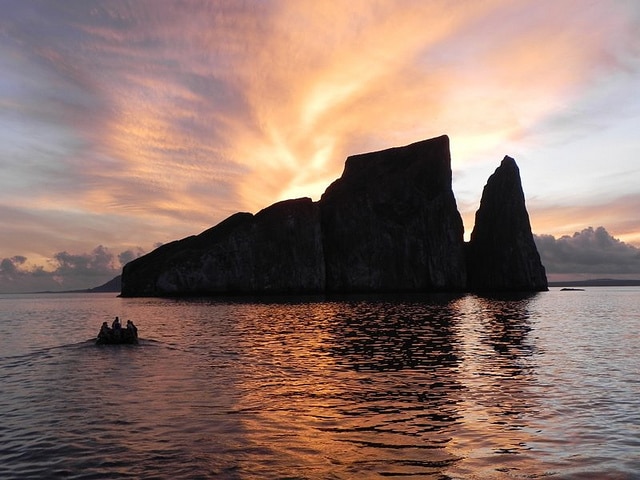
(130, 123)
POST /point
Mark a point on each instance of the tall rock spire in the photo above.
(390, 223)
(502, 255)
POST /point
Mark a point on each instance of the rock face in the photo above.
(278, 250)
(502, 255)
(389, 224)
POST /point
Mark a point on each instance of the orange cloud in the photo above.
(165, 118)
(381, 76)
(322, 90)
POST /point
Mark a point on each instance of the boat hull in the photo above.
(123, 337)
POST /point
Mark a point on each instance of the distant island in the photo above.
(113, 285)
(390, 223)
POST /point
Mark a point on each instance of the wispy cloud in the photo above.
(147, 121)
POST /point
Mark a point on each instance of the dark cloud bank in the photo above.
(590, 253)
(66, 271)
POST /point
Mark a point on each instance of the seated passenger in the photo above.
(132, 328)
(116, 328)
(105, 331)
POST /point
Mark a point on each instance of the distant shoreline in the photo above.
(114, 287)
(597, 282)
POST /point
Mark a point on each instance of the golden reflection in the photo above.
(353, 382)
(429, 385)
(498, 373)
(289, 395)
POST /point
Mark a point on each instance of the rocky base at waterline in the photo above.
(389, 224)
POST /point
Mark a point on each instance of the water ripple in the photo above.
(414, 386)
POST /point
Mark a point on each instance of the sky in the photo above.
(125, 125)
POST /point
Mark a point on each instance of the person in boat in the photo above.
(105, 331)
(131, 328)
(116, 328)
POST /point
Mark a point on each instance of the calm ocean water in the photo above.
(442, 387)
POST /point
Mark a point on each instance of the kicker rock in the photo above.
(502, 255)
(390, 223)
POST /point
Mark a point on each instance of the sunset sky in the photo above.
(124, 125)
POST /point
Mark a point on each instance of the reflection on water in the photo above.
(498, 370)
(358, 387)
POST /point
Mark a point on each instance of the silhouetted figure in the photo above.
(105, 331)
(117, 328)
(132, 329)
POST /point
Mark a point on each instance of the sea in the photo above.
(545, 385)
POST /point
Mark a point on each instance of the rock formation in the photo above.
(278, 250)
(388, 224)
(502, 255)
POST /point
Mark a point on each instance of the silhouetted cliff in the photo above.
(502, 255)
(389, 224)
(278, 250)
